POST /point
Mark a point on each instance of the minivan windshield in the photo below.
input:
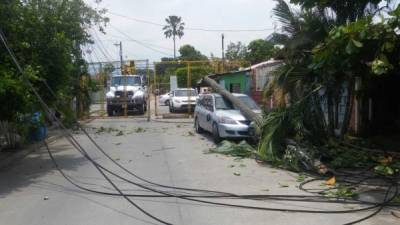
(183, 93)
(224, 104)
(249, 102)
(128, 80)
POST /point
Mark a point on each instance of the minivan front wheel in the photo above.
(215, 133)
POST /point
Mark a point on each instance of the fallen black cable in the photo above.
(380, 207)
(232, 205)
(250, 197)
(235, 205)
(215, 203)
(100, 168)
(135, 175)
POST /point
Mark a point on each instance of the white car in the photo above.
(181, 98)
(164, 99)
(221, 118)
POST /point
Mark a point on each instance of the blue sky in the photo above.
(209, 14)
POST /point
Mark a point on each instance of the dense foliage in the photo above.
(327, 44)
(196, 73)
(256, 51)
(46, 37)
(189, 53)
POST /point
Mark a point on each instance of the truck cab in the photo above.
(126, 92)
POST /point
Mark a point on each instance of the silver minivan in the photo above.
(217, 115)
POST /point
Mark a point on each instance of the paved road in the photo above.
(167, 153)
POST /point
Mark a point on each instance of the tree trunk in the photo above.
(174, 47)
(349, 109)
(331, 122)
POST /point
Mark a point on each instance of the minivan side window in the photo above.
(208, 103)
(200, 101)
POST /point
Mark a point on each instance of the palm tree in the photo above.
(174, 28)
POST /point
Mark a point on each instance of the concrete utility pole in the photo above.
(247, 112)
(120, 56)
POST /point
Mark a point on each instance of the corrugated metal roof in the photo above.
(229, 73)
(266, 63)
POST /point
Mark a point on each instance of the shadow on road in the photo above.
(25, 172)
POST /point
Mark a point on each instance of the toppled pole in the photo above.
(303, 155)
(247, 112)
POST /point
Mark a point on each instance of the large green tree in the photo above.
(236, 51)
(174, 28)
(46, 37)
(189, 53)
(259, 50)
(345, 10)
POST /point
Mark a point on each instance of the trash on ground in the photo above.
(331, 181)
(283, 185)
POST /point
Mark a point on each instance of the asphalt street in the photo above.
(33, 192)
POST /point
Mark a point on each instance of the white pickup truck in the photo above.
(126, 91)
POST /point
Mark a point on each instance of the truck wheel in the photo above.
(110, 111)
(141, 109)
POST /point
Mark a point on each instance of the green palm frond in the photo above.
(287, 17)
(174, 27)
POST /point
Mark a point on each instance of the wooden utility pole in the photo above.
(223, 53)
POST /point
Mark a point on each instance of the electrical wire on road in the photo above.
(73, 140)
(103, 170)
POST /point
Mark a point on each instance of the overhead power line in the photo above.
(129, 40)
(140, 42)
(192, 28)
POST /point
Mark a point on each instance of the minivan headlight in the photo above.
(177, 101)
(226, 120)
